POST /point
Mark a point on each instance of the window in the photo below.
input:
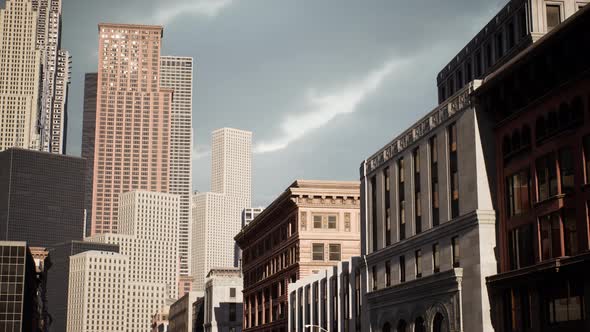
(374, 212)
(418, 261)
(325, 222)
(520, 247)
(232, 292)
(318, 251)
(335, 250)
(387, 274)
(456, 251)
(587, 158)
(546, 177)
(453, 168)
(387, 199)
(374, 275)
(357, 294)
(570, 232)
(434, 180)
(553, 16)
(478, 64)
(566, 168)
(518, 193)
(510, 35)
(522, 23)
(417, 192)
(489, 55)
(499, 45)
(435, 258)
(402, 269)
(402, 202)
(232, 312)
(565, 302)
(550, 236)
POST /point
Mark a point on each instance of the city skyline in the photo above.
(226, 63)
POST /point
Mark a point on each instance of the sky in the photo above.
(322, 84)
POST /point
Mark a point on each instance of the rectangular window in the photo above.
(522, 23)
(335, 250)
(232, 292)
(550, 236)
(402, 201)
(374, 213)
(456, 252)
(435, 258)
(417, 192)
(566, 169)
(318, 251)
(418, 262)
(565, 302)
(478, 65)
(520, 247)
(570, 232)
(374, 275)
(510, 32)
(499, 45)
(434, 180)
(232, 312)
(402, 269)
(587, 158)
(553, 16)
(454, 172)
(489, 55)
(518, 193)
(332, 222)
(325, 222)
(469, 71)
(387, 274)
(546, 177)
(387, 199)
(317, 222)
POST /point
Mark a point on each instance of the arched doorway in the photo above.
(439, 324)
(419, 325)
(402, 326)
(386, 328)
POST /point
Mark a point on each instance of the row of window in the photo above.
(417, 194)
(334, 252)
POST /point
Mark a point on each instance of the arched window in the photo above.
(506, 146)
(419, 325)
(386, 328)
(439, 324)
(516, 143)
(402, 326)
(540, 129)
(526, 136)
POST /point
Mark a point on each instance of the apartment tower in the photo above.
(177, 74)
(133, 120)
(217, 215)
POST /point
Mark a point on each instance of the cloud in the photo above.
(208, 8)
(324, 107)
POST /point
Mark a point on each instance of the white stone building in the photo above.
(429, 225)
(97, 292)
(148, 237)
(177, 74)
(217, 215)
(223, 300)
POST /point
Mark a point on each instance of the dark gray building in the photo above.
(57, 279)
(18, 284)
(88, 134)
(41, 197)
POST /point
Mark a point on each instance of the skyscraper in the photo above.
(41, 197)
(148, 238)
(20, 76)
(132, 123)
(88, 137)
(177, 74)
(34, 76)
(217, 215)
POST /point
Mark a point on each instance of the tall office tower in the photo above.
(55, 71)
(148, 237)
(88, 135)
(177, 74)
(41, 197)
(231, 163)
(57, 278)
(217, 215)
(133, 120)
(20, 76)
(96, 277)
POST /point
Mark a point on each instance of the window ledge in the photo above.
(550, 199)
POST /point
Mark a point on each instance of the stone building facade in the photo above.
(429, 223)
(311, 226)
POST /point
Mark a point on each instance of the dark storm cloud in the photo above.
(282, 67)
